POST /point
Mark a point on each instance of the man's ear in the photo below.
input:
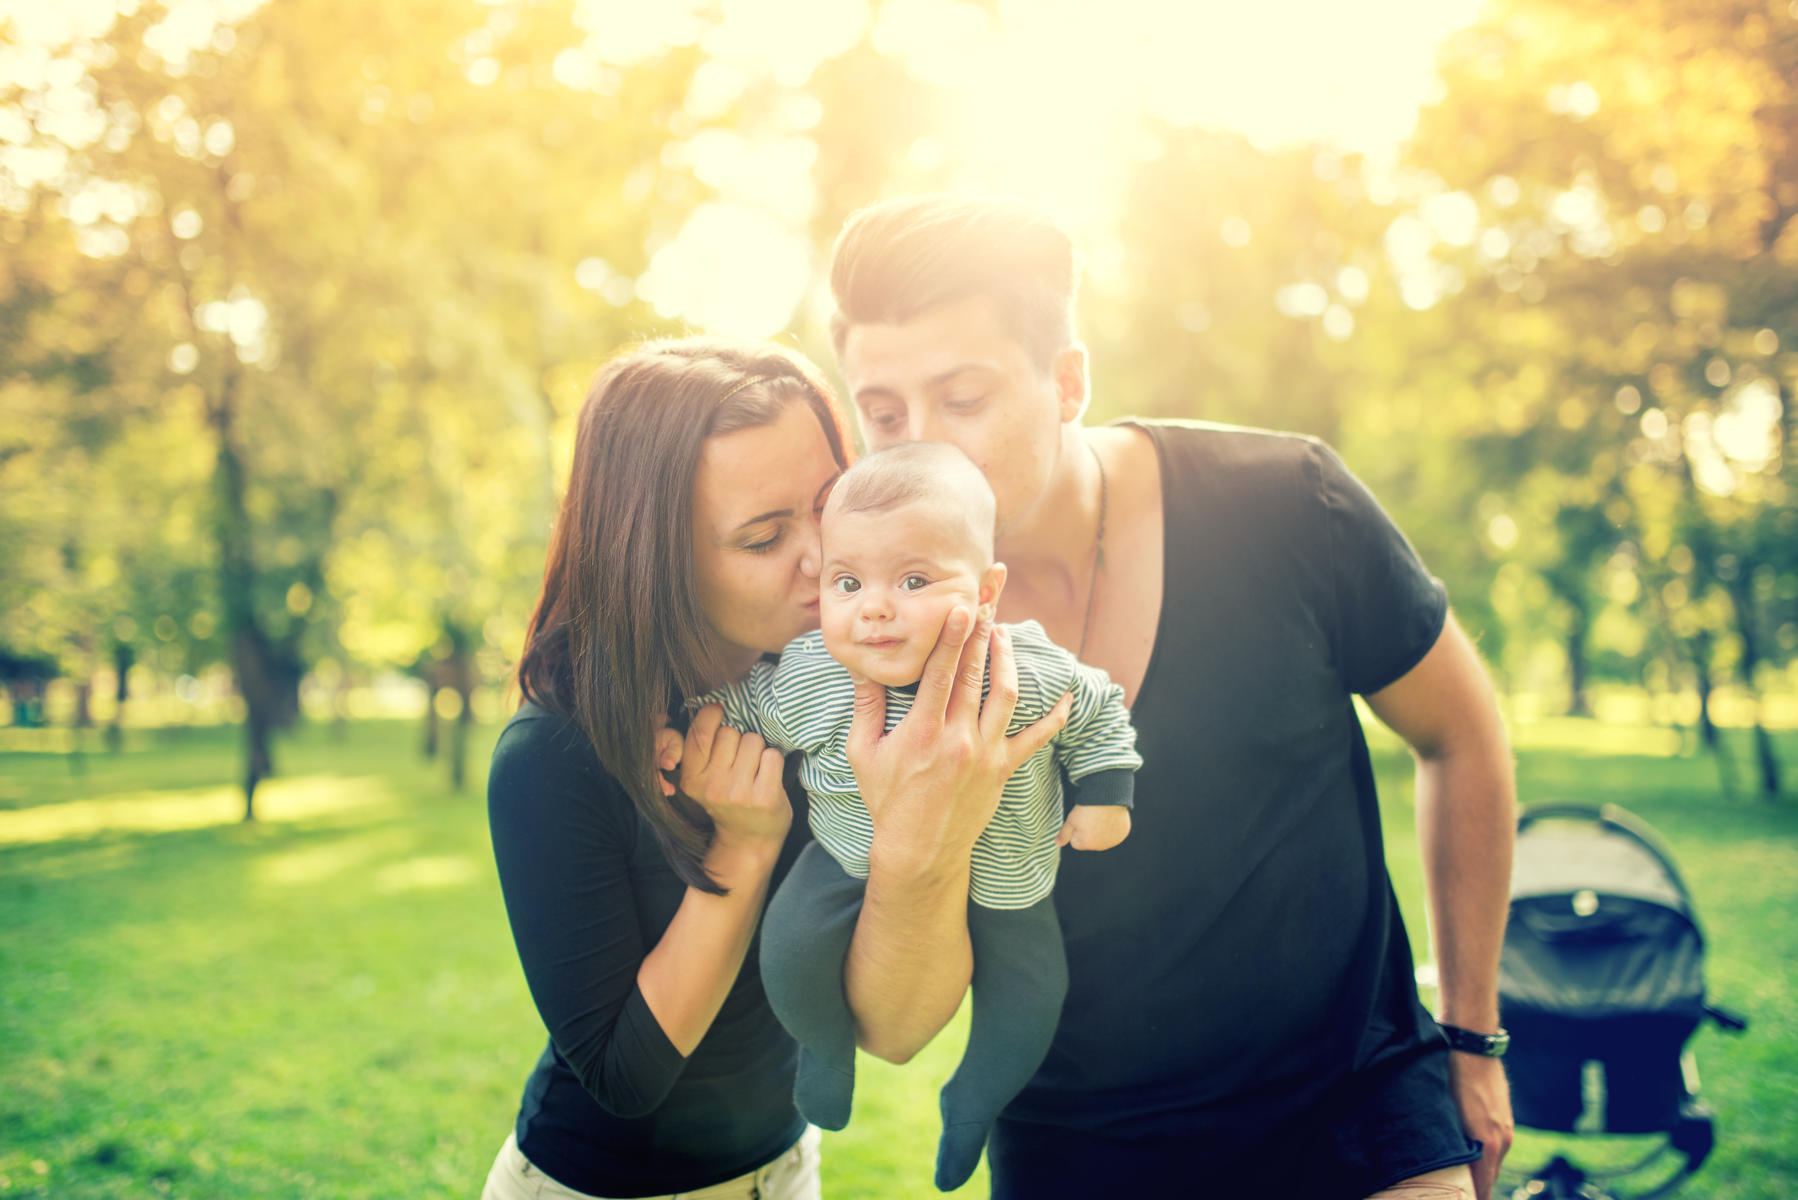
(992, 582)
(1069, 372)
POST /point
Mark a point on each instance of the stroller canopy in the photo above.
(1601, 924)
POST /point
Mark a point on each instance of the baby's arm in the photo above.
(1097, 750)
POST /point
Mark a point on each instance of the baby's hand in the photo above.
(1095, 827)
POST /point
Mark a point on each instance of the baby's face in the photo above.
(889, 581)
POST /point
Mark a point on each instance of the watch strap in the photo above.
(1489, 1045)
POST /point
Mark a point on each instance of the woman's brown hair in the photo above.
(619, 635)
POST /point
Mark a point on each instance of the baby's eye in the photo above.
(845, 585)
(912, 583)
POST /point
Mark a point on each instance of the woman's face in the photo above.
(756, 501)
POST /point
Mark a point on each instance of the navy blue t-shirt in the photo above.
(1241, 954)
(612, 1107)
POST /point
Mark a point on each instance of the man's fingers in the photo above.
(940, 668)
(869, 720)
(970, 671)
(1002, 693)
(1028, 740)
(1066, 833)
(1485, 1172)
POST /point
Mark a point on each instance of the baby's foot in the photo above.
(959, 1153)
(824, 1094)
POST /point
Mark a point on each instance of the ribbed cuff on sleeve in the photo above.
(1116, 786)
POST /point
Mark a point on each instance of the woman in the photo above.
(686, 547)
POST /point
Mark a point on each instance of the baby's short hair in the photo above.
(913, 471)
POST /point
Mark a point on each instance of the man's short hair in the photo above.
(897, 258)
(913, 471)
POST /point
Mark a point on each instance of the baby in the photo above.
(907, 537)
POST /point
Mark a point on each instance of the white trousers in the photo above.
(792, 1176)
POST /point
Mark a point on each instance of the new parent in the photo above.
(687, 547)
(1241, 1015)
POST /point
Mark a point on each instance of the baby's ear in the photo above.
(992, 582)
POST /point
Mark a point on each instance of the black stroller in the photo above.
(1601, 985)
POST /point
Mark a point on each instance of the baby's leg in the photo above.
(805, 943)
(1020, 980)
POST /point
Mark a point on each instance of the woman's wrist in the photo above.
(736, 860)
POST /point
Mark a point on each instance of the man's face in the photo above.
(890, 580)
(955, 374)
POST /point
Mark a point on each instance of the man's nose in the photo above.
(921, 425)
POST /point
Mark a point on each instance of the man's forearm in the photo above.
(1466, 824)
(910, 960)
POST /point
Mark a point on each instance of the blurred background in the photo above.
(299, 299)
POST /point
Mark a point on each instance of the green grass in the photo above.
(326, 1003)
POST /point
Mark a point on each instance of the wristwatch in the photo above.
(1490, 1045)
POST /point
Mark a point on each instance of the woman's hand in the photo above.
(737, 780)
(933, 783)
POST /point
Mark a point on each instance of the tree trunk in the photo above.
(254, 681)
(1578, 705)
(82, 722)
(1766, 758)
(251, 656)
(460, 670)
(1741, 595)
(459, 745)
(1708, 735)
(122, 658)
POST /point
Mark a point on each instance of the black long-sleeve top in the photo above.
(612, 1107)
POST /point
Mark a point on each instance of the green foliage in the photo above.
(1630, 264)
(291, 345)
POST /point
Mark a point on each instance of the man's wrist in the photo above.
(913, 868)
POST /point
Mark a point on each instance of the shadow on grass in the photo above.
(210, 757)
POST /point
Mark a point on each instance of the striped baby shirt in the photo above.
(805, 701)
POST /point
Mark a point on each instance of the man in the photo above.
(1241, 1018)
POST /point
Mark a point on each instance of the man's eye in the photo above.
(912, 583)
(964, 404)
(886, 419)
(846, 585)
